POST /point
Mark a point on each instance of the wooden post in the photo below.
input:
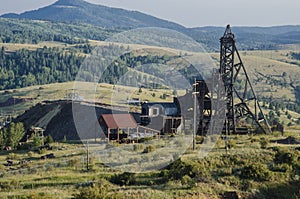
(87, 156)
(108, 132)
(118, 135)
(128, 132)
(43, 142)
(137, 134)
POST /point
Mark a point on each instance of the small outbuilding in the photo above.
(118, 126)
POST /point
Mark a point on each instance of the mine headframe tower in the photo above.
(240, 98)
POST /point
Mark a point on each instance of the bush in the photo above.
(285, 156)
(42, 151)
(197, 171)
(199, 139)
(35, 195)
(256, 171)
(188, 181)
(231, 144)
(91, 192)
(125, 178)
(30, 154)
(10, 185)
(64, 140)
(75, 163)
(253, 140)
(178, 169)
(11, 156)
(138, 147)
(281, 168)
(37, 141)
(49, 139)
(149, 149)
(264, 142)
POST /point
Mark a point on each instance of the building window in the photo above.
(153, 112)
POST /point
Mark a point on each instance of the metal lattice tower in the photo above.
(241, 100)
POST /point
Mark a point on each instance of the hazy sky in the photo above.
(193, 13)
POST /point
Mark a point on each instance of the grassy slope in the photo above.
(262, 67)
(59, 177)
(104, 94)
(56, 178)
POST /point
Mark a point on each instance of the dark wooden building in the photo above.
(161, 116)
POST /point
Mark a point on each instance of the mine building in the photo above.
(118, 126)
(161, 116)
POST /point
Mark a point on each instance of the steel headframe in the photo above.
(231, 66)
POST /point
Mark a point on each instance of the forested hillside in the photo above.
(46, 65)
(33, 32)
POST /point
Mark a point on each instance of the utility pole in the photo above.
(195, 114)
(87, 155)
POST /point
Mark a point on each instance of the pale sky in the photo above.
(193, 13)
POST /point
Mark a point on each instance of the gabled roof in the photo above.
(114, 121)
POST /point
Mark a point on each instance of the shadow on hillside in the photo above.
(280, 191)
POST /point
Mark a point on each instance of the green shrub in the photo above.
(264, 142)
(285, 156)
(99, 190)
(178, 169)
(199, 139)
(197, 171)
(138, 147)
(37, 141)
(188, 181)
(254, 139)
(42, 151)
(64, 140)
(49, 139)
(35, 195)
(30, 154)
(149, 149)
(231, 144)
(2, 168)
(256, 171)
(125, 178)
(74, 162)
(10, 185)
(281, 167)
(200, 172)
(11, 156)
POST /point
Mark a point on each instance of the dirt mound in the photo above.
(13, 101)
(57, 119)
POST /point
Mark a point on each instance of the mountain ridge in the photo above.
(103, 16)
(82, 12)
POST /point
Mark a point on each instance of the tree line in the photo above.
(45, 65)
(11, 134)
(33, 32)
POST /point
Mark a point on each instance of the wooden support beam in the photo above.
(137, 134)
(108, 132)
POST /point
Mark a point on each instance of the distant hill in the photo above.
(250, 38)
(80, 13)
(84, 12)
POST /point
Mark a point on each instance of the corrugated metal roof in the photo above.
(115, 121)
